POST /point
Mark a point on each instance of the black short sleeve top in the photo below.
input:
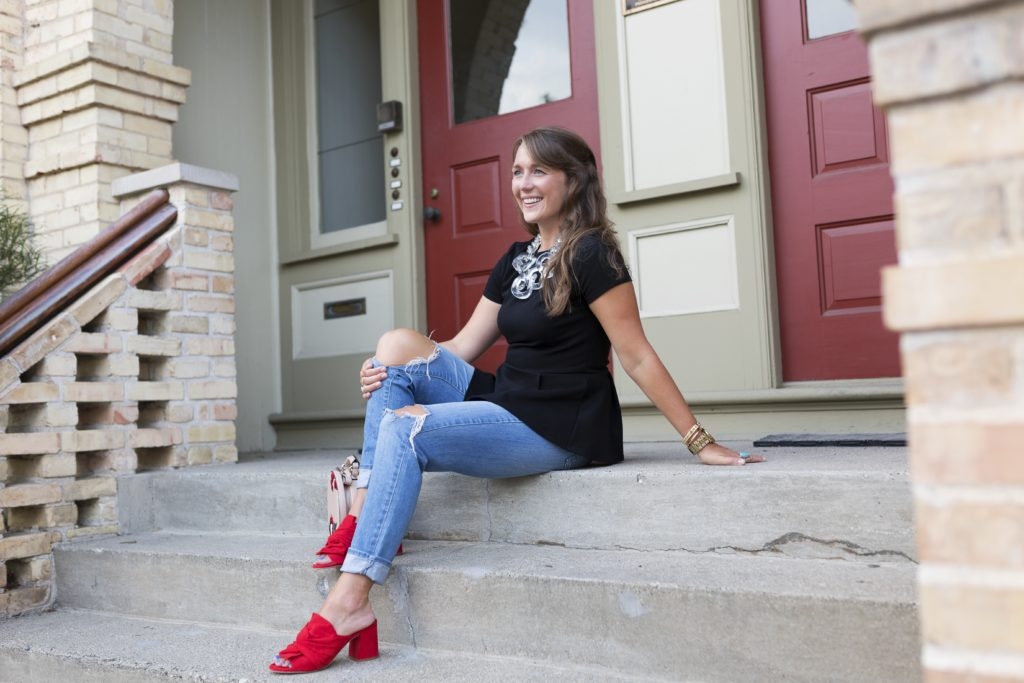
(555, 376)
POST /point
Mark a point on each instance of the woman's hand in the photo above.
(717, 454)
(370, 378)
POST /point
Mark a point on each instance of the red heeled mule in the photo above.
(318, 644)
(334, 551)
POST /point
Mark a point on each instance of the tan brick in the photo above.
(210, 347)
(9, 374)
(205, 389)
(29, 444)
(21, 495)
(95, 342)
(148, 300)
(969, 369)
(92, 440)
(180, 412)
(58, 365)
(43, 517)
(151, 258)
(222, 201)
(197, 237)
(968, 676)
(52, 335)
(225, 453)
(93, 487)
(159, 458)
(124, 365)
(153, 346)
(32, 392)
(987, 125)
(201, 260)
(32, 571)
(126, 414)
(190, 324)
(61, 415)
(98, 512)
(224, 368)
(971, 532)
(155, 438)
(973, 617)
(20, 600)
(225, 411)
(222, 242)
(96, 300)
(155, 391)
(189, 368)
(123, 319)
(188, 281)
(224, 284)
(874, 15)
(221, 324)
(93, 392)
(200, 455)
(47, 466)
(953, 218)
(5, 473)
(24, 545)
(91, 531)
(965, 453)
(211, 432)
(211, 304)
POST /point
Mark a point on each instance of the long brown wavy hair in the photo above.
(584, 210)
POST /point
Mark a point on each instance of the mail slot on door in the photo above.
(344, 309)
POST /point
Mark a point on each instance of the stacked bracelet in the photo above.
(697, 438)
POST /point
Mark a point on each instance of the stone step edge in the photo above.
(682, 570)
(46, 635)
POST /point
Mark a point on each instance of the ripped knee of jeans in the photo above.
(420, 360)
(418, 414)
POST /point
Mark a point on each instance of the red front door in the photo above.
(469, 76)
(831, 195)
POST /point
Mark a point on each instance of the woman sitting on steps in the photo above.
(561, 301)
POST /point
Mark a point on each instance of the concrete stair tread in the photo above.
(729, 572)
(87, 647)
(803, 502)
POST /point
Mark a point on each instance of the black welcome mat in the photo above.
(865, 440)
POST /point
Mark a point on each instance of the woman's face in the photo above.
(538, 190)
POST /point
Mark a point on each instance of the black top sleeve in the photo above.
(495, 286)
(596, 269)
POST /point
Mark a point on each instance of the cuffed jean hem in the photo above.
(374, 568)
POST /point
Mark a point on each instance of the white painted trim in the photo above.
(317, 239)
(268, 439)
(171, 174)
(728, 221)
(624, 111)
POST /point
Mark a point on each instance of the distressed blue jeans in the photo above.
(476, 438)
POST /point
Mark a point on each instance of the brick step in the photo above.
(664, 614)
(849, 503)
(93, 647)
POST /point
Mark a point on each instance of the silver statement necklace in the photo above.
(530, 268)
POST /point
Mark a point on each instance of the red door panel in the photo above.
(469, 165)
(831, 199)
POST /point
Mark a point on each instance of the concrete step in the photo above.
(849, 503)
(93, 647)
(673, 615)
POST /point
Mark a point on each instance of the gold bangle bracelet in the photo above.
(692, 433)
(700, 442)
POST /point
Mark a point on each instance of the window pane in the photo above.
(351, 162)
(508, 55)
(826, 17)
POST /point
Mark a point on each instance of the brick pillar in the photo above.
(97, 93)
(950, 74)
(13, 137)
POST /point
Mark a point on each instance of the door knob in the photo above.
(431, 214)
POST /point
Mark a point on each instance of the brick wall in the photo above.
(95, 89)
(138, 374)
(950, 74)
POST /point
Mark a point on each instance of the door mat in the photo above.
(818, 440)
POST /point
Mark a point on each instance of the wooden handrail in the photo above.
(93, 261)
(24, 296)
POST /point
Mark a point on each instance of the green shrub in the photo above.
(20, 260)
